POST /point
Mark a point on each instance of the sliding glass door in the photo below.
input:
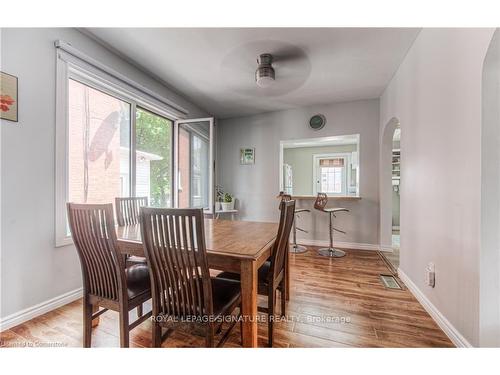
(195, 164)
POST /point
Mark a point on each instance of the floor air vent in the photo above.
(390, 282)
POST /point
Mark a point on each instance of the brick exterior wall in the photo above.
(104, 115)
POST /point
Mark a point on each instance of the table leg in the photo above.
(287, 276)
(249, 303)
(95, 322)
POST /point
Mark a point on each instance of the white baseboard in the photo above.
(342, 245)
(453, 334)
(386, 249)
(39, 309)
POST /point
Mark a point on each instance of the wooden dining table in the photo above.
(234, 246)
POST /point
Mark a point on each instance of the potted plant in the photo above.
(228, 203)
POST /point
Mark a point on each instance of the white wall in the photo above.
(32, 269)
(436, 95)
(256, 186)
(490, 199)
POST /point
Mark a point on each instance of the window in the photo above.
(194, 149)
(116, 138)
(199, 166)
(99, 127)
(153, 166)
(109, 144)
(98, 145)
(99, 149)
(331, 173)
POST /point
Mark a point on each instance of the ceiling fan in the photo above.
(279, 69)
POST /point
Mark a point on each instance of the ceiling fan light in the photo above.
(264, 75)
(264, 80)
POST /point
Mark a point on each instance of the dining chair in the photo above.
(183, 293)
(107, 283)
(127, 211)
(295, 247)
(272, 274)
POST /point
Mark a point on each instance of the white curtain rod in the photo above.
(84, 57)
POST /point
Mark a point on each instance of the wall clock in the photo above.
(317, 122)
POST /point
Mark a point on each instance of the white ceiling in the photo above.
(215, 67)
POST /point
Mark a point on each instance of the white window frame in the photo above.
(211, 161)
(94, 75)
(345, 178)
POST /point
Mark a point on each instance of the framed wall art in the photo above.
(8, 97)
(247, 156)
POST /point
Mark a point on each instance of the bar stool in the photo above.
(294, 248)
(320, 204)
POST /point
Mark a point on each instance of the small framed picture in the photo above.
(247, 156)
(8, 97)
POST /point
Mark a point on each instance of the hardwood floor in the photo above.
(333, 303)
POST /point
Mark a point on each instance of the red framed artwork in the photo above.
(8, 97)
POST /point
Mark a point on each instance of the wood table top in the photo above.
(239, 239)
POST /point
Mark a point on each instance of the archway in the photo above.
(389, 189)
(490, 198)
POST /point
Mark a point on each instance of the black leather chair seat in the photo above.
(225, 293)
(138, 281)
(263, 273)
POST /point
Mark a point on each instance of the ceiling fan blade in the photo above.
(288, 53)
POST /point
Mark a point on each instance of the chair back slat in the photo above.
(281, 244)
(321, 201)
(93, 231)
(174, 244)
(127, 209)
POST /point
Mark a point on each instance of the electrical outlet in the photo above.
(430, 275)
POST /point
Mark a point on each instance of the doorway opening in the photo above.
(393, 257)
(390, 190)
